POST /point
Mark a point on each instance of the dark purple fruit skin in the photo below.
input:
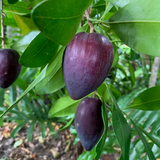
(9, 67)
(86, 63)
(89, 122)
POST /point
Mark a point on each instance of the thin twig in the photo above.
(89, 22)
(105, 25)
(2, 26)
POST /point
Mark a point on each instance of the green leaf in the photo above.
(121, 129)
(18, 128)
(154, 140)
(64, 106)
(30, 131)
(2, 91)
(1, 121)
(12, 94)
(116, 56)
(146, 145)
(25, 24)
(52, 73)
(52, 85)
(109, 6)
(18, 143)
(103, 92)
(125, 100)
(100, 5)
(131, 70)
(39, 52)
(87, 155)
(20, 6)
(137, 25)
(59, 19)
(23, 42)
(100, 145)
(120, 3)
(12, 1)
(43, 129)
(148, 100)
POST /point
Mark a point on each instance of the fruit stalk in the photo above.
(89, 22)
(2, 26)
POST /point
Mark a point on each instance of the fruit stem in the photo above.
(89, 22)
(2, 26)
(94, 95)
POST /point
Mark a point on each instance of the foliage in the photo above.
(40, 30)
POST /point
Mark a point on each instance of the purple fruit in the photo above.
(87, 61)
(89, 122)
(9, 67)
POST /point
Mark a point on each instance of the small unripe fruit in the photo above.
(87, 61)
(89, 122)
(9, 67)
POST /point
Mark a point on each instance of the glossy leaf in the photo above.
(23, 42)
(125, 100)
(52, 85)
(147, 100)
(12, 1)
(59, 19)
(121, 129)
(137, 25)
(87, 155)
(20, 6)
(100, 144)
(120, 3)
(52, 73)
(100, 5)
(64, 106)
(39, 52)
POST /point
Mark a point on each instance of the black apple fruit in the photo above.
(89, 122)
(86, 63)
(9, 67)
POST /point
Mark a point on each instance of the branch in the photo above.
(154, 72)
(2, 26)
(89, 22)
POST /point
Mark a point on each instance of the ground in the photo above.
(50, 148)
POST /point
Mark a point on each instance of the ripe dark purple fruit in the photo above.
(89, 122)
(87, 61)
(9, 67)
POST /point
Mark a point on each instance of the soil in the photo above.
(50, 148)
